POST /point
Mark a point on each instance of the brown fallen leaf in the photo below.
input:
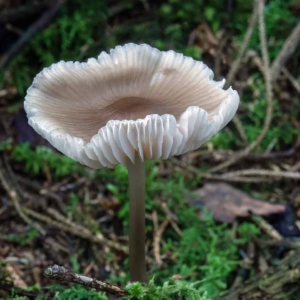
(226, 202)
(15, 276)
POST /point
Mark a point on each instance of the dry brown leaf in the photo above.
(226, 202)
(15, 276)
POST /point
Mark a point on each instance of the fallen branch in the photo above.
(61, 274)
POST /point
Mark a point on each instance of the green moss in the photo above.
(170, 290)
(34, 160)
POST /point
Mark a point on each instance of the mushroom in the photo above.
(134, 104)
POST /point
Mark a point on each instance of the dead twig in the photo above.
(74, 229)
(237, 179)
(155, 247)
(41, 190)
(283, 243)
(261, 172)
(286, 51)
(63, 219)
(42, 22)
(292, 80)
(170, 216)
(236, 65)
(266, 227)
(61, 274)
(223, 39)
(22, 11)
(237, 62)
(238, 176)
(158, 232)
(12, 193)
(267, 77)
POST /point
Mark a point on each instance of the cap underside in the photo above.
(135, 99)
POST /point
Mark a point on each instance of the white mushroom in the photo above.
(134, 104)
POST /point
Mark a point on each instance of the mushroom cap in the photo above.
(136, 99)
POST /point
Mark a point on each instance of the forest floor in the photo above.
(223, 221)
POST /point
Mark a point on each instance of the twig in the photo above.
(15, 198)
(235, 176)
(283, 243)
(158, 232)
(22, 11)
(261, 172)
(271, 155)
(238, 125)
(293, 81)
(85, 234)
(269, 110)
(61, 274)
(55, 245)
(286, 51)
(224, 154)
(30, 33)
(170, 217)
(236, 179)
(237, 63)
(223, 39)
(41, 190)
(63, 219)
(155, 247)
(276, 282)
(266, 227)
(80, 231)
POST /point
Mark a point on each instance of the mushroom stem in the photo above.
(137, 261)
